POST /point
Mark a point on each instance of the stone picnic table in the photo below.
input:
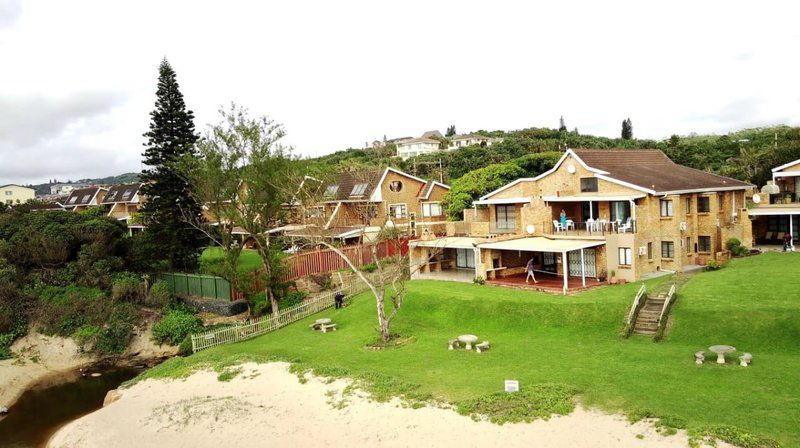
(468, 340)
(319, 323)
(721, 350)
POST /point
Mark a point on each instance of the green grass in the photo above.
(574, 341)
(249, 260)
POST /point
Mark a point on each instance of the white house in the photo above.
(459, 141)
(16, 194)
(416, 146)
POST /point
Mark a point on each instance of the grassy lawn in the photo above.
(540, 338)
(249, 260)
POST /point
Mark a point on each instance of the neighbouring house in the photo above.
(776, 209)
(123, 202)
(413, 147)
(12, 194)
(47, 207)
(83, 198)
(627, 215)
(64, 189)
(355, 205)
(460, 141)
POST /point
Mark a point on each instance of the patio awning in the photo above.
(288, 228)
(518, 200)
(448, 242)
(542, 244)
(772, 211)
(583, 198)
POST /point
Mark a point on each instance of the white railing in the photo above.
(666, 305)
(268, 323)
(635, 305)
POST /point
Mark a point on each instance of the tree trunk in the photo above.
(383, 323)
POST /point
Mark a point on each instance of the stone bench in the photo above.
(699, 357)
(326, 327)
(483, 346)
(745, 359)
(452, 344)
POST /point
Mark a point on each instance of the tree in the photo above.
(247, 177)
(627, 129)
(562, 126)
(171, 137)
(451, 131)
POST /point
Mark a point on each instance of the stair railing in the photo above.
(662, 318)
(630, 321)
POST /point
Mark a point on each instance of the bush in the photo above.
(173, 328)
(6, 340)
(369, 267)
(736, 248)
(293, 298)
(713, 265)
(479, 280)
(128, 287)
(159, 295)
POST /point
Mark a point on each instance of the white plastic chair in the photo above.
(590, 223)
(570, 224)
(625, 227)
(557, 226)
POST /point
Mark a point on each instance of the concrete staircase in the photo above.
(647, 318)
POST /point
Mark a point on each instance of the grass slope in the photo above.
(249, 260)
(540, 338)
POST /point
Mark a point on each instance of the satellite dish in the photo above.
(770, 189)
(571, 169)
(756, 198)
(530, 229)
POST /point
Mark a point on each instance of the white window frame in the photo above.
(427, 210)
(625, 256)
(667, 242)
(399, 204)
(667, 210)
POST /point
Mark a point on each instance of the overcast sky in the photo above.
(78, 78)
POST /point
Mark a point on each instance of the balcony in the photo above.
(588, 229)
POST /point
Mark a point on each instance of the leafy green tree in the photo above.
(477, 183)
(451, 131)
(171, 137)
(627, 129)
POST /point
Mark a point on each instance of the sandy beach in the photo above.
(265, 405)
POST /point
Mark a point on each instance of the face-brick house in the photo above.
(777, 207)
(356, 205)
(123, 202)
(596, 214)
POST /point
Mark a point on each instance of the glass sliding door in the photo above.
(465, 258)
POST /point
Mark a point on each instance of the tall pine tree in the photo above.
(168, 202)
(627, 129)
(562, 126)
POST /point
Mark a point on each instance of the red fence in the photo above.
(322, 261)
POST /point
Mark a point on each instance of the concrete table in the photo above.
(323, 321)
(468, 340)
(721, 350)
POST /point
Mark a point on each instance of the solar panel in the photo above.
(358, 190)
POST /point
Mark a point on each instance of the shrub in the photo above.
(369, 267)
(86, 335)
(713, 265)
(293, 298)
(733, 243)
(173, 328)
(128, 287)
(6, 340)
(736, 248)
(479, 280)
(159, 295)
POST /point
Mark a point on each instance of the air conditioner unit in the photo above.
(642, 250)
(683, 226)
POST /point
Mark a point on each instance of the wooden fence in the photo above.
(197, 285)
(268, 323)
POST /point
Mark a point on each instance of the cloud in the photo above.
(47, 137)
(10, 10)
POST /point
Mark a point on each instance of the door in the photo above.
(465, 258)
(574, 262)
(549, 262)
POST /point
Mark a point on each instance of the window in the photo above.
(649, 251)
(396, 186)
(625, 256)
(666, 208)
(506, 216)
(620, 210)
(432, 209)
(331, 191)
(703, 204)
(316, 212)
(72, 200)
(688, 205)
(720, 203)
(86, 198)
(667, 249)
(588, 184)
(397, 210)
(688, 244)
(704, 243)
(127, 195)
(9, 192)
(358, 190)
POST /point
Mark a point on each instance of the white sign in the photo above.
(512, 386)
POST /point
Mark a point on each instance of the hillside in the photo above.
(747, 154)
(125, 178)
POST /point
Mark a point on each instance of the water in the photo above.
(41, 411)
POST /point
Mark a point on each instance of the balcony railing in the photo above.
(594, 228)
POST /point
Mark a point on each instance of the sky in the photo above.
(78, 78)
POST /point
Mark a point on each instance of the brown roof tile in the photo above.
(120, 193)
(82, 196)
(653, 170)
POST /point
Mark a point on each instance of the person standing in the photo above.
(787, 242)
(563, 219)
(338, 300)
(529, 269)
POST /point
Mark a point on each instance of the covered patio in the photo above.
(564, 264)
(447, 258)
(772, 222)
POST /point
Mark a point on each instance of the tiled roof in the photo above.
(418, 140)
(82, 196)
(651, 169)
(121, 193)
(345, 183)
